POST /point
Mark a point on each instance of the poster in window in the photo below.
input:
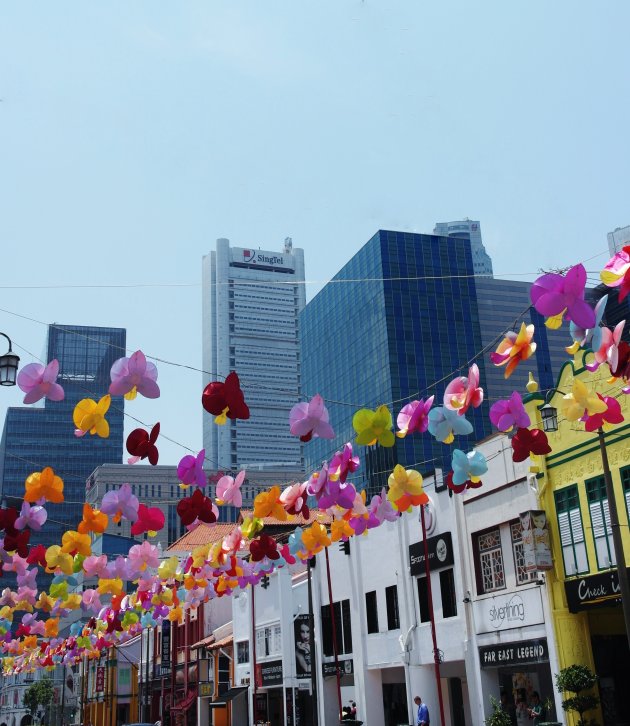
(535, 538)
(302, 633)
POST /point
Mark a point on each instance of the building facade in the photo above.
(251, 304)
(470, 230)
(618, 239)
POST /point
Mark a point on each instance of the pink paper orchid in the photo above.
(414, 417)
(39, 381)
(121, 503)
(31, 516)
(616, 273)
(136, 373)
(507, 414)
(95, 566)
(343, 463)
(190, 469)
(91, 601)
(229, 489)
(293, 499)
(612, 415)
(464, 392)
(381, 509)
(554, 295)
(308, 420)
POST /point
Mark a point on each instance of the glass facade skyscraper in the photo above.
(36, 437)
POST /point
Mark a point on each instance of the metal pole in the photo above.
(141, 679)
(311, 644)
(622, 572)
(63, 693)
(436, 652)
(147, 692)
(334, 631)
(253, 674)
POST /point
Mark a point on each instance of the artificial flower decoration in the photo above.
(374, 426)
(150, 519)
(251, 527)
(8, 518)
(612, 342)
(74, 542)
(405, 489)
(315, 538)
(308, 420)
(32, 517)
(342, 464)
(337, 494)
(93, 520)
(340, 529)
(144, 555)
(464, 392)
(529, 441)
(460, 488)
(39, 381)
(196, 507)
(445, 424)
(89, 416)
(264, 546)
(581, 401)
(381, 510)
(414, 417)
(121, 503)
(468, 467)
(190, 469)
(588, 337)
(294, 499)
(554, 295)
(17, 542)
(508, 413)
(514, 348)
(268, 504)
(141, 445)
(616, 273)
(225, 400)
(622, 369)
(57, 560)
(136, 373)
(37, 556)
(44, 485)
(228, 490)
(612, 415)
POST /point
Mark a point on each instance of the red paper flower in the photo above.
(7, 520)
(141, 445)
(264, 546)
(150, 519)
(460, 488)
(225, 400)
(197, 506)
(17, 542)
(612, 415)
(37, 556)
(529, 441)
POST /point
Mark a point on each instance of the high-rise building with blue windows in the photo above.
(412, 315)
(469, 229)
(35, 437)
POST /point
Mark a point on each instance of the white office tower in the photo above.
(470, 230)
(618, 239)
(251, 304)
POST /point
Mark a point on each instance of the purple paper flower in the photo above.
(552, 294)
(190, 469)
(343, 463)
(39, 381)
(507, 414)
(337, 493)
(381, 509)
(31, 516)
(310, 419)
(134, 372)
(121, 503)
(413, 417)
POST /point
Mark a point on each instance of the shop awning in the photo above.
(228, 696)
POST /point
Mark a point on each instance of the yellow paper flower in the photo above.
(315, 538)
(514, 348)
(51, 627)
(90, 416)
(374, 426)
(176, 615)
(340, 528)
(251, 527)
(581, 401)
(58, 560)
(73, 542)
(44, 485)
(112, 587)
(405, 489)
(268, 504)
(168, 568)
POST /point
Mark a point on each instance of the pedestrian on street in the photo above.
(536, 710)
(423, 712)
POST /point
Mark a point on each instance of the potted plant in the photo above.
(498, 717)
(575, 679)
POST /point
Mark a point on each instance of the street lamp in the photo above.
(8, 365)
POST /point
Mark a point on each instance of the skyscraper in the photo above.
(470, 230)
(34, 437)
(251, 302)
(618, 239)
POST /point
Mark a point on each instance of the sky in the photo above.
(132, 135)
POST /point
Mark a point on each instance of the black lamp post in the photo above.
(8, 365)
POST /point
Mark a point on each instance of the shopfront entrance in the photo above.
(612, 665)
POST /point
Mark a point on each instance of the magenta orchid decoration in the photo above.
(229, 489)
(121, 503)
(414, 417)
(509, 413)
(612, 415)
(190, 469)
(308, 420)
(343, 463)
(317, 481)
(553, 295)
(136, 373)
(31, 516)
(337, 494)
(39, 381)
(464, 392)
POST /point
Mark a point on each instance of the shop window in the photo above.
(342, 625)
(423, 600)
(489, 561)
(571, 530)
(447, 589)
(522, 575)
(242, 652)
(268, 641)
(600, 522)
(223, 674)
(391, 599)
(371, 610)
(625, 482)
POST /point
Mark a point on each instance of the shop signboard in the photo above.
(511, 654)
(440, 550)
(346, 668)
(269, 674)
(512, 610)
(586, 593)
(302, 634)
(166, 641)
(535, 538)
(100, 679)
(206, 690)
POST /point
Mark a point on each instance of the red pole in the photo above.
(436, 652)
(255, 704)
(334, 632)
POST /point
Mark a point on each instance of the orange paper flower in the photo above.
(93, 520)
(44, 485)
(514, 348)
(268, 504)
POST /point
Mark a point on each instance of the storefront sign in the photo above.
(302, 633)
(513, 610)
(166, 641)
(100, 679)
(535, 537)
(269, 674)
(440, 554)
(508, 654)
(162, 670)
(585, 593)
(206, 690)
(346, 668)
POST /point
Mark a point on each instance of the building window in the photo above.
(268, 641)
(489, 561)
(571, 530)
(242, 652)
(342, 626)
(600, 522)
(391, 599)
(447, 589)
(522, 576)
(423, 600)
(223, 679)
(371, 610)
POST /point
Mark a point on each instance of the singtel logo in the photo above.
(259, 258)
(513, 610)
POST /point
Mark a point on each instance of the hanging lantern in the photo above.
(8, 365)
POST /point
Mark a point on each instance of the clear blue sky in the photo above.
(132, 135)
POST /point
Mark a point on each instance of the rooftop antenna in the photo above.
(288, 245)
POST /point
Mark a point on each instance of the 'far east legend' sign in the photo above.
(507, 654)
